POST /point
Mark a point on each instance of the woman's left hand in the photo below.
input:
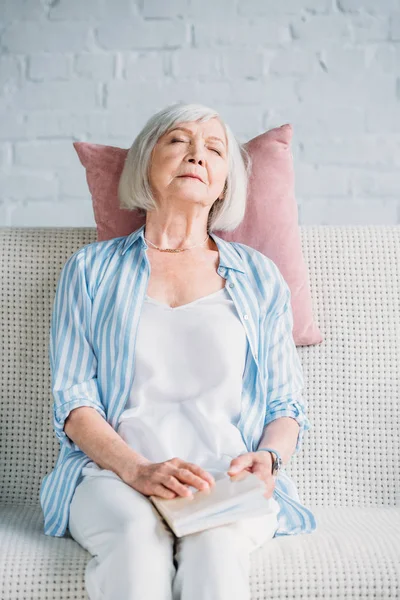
(259, 463)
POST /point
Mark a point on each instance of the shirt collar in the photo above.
(229, 257)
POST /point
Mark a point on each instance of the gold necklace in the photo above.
(175, 249)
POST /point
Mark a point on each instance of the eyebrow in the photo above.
(211, 137)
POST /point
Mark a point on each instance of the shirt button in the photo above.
(245, 317)
(231, 285)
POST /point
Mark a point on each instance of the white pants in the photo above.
(137, 557)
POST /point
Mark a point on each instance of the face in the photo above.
(190, 147)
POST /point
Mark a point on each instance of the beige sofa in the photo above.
(348, 471)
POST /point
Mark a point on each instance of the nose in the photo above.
(199, 161)
(196, 154)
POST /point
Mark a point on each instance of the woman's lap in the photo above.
(104, 508)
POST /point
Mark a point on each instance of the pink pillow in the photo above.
(270, 224)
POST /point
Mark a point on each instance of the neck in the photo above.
(175, 237)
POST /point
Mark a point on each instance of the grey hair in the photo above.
(134, 189)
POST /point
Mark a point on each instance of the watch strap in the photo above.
(276, 458)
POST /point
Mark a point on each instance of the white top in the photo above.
(186, 396)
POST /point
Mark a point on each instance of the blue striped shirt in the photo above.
(96, 311)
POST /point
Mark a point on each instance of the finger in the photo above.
(162, 492)
(270, 487)
(241, 462)
(170, 482)
(189, 477)
(202, 473)
(237, 469)
(268, 494)
(238, 475)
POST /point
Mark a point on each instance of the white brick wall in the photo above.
(98, 69)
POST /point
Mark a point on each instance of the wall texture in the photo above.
(97, 69)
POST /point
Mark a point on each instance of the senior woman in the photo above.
(173, 365)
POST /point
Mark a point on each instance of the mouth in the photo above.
(192, 177)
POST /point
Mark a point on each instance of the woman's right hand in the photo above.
(169, 479)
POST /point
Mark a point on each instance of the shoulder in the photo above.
(97, 250)
(253, 258)
(266, 273)
(91, 261)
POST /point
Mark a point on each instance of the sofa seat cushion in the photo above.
(354, 553)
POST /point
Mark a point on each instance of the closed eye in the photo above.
(176, 140)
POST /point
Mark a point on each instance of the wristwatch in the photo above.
(277, 464)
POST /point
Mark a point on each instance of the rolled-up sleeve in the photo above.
(284, 372)
(72, 360)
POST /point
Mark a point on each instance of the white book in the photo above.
(232, 498)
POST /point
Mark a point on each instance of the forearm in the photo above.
(100, 442)
(282, 435)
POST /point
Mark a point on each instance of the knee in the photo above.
(137, 513)
(220, 541)
(148, 527)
